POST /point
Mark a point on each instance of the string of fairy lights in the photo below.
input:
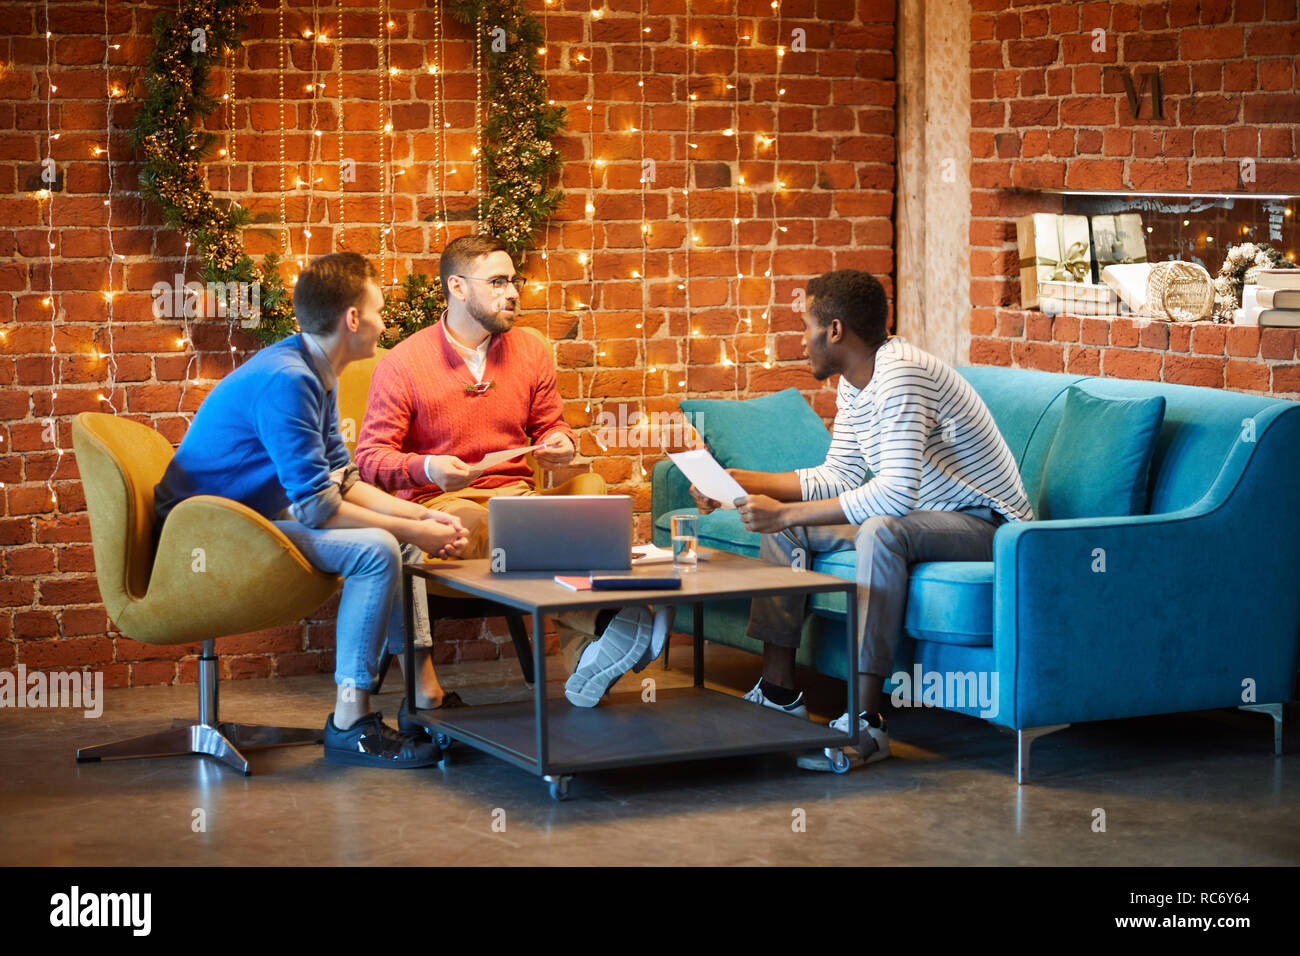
(543, 51)
(691, 352)
(640, 275)
(385, 146)
(587, 259)
(736, 180)
(440, 124)
(111, 91)
(390, 171)
(52, 298)
(315, 145)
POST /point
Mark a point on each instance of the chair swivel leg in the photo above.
(206, 736)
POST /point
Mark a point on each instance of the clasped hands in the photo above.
(438, 534)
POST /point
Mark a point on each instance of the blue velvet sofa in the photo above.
(1193, 605)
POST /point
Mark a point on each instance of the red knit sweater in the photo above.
(418, 406)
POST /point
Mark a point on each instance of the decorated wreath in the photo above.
(1241, 263)
(520, 159)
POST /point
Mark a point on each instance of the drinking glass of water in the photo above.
(686, 541)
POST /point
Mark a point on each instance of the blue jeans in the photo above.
(370, 562)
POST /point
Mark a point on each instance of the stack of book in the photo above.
(1278, 298)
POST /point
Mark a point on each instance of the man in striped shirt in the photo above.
(917, 471)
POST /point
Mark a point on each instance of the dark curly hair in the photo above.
(856, 298)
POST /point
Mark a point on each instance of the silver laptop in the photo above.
(578, 533)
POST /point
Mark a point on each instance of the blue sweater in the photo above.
(266, 436)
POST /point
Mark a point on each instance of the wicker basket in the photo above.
(1182, 290)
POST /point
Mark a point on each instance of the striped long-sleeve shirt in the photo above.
(916, 438)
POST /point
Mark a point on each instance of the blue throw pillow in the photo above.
(1100, 457)
(777, 432)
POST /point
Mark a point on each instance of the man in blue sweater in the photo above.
(268, 436)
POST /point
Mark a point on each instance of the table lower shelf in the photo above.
(683, 723)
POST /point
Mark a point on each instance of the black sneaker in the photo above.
(371, 742)
(420, 731)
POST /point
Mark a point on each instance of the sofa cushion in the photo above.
(950, 602)
(777, 432)
(1100, 457)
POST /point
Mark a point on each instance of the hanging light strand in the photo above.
(645, 235)
(315, 148)
(389, 131)
(737, 182)
(546, 238)
(341, 239)
(114, 258)
(440, 132)
(776, 227)
(480, 175)
(684, 381)
(285, 244)
(51, 300)
(385, 152)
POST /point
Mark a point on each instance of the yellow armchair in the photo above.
(220, 568)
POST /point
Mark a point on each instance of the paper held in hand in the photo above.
(497, 457)
(704, 472)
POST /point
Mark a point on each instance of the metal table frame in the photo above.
(444, 724)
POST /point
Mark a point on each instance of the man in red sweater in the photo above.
(463, 388)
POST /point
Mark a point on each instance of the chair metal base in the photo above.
(191, 737)
(208, 735)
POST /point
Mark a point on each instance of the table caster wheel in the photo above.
(559, 787)
(839, 761)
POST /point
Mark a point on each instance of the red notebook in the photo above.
(576, 582)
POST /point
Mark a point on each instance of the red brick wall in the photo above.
(836, 149)
(1044, 114)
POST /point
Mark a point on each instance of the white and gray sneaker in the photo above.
(798, 708)
(873, 746)
(621, 645)
(658, 638)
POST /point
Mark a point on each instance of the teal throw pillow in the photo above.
(1100, 457)
(777, 432)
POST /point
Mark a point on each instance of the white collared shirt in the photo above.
(475, 358)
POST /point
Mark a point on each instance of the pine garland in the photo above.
(521, 160)
(168, 129)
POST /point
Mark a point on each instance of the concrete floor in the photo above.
(1193, 789)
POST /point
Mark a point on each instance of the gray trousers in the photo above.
(886, 547)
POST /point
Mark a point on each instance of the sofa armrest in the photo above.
(669, 490)
(1114, 617)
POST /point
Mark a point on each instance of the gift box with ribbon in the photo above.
(1052, 247)
(1118, 240)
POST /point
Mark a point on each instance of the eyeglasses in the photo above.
(499, 283)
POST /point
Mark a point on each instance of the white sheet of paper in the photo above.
(704, 472)
(497, 457)
(643, 554)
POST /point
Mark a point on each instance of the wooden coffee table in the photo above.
(556, 740)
